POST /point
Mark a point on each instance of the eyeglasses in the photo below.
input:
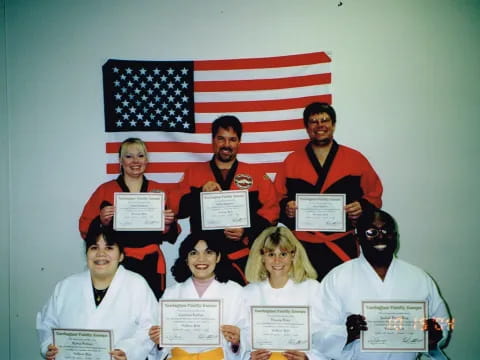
(373, 233)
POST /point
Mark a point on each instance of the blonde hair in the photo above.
(283, 238)
(131, 141)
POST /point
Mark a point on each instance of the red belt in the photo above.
(328, 240)
(140, 253)
(238, 254)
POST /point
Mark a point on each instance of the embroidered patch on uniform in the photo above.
(243, 181)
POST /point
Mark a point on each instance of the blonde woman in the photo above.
(280, 274)
(142, 251)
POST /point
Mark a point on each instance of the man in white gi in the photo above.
(376, 275)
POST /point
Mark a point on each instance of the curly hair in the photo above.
(269, 240)
(180, 270)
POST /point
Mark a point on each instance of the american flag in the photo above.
(171, 105)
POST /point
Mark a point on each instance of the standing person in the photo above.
(106, 296)
(202, 272)
(280, 274)
(142, 251)
(326, 167)
(225, 172)
(375, 275)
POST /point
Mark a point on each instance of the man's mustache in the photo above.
(226, 148)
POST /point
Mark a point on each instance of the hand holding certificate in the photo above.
(225, 209)
(139, 211)
(76, 344)
(394, 326)
(280, 328)
(190, 323)
(320, 212)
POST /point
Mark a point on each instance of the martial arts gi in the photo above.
(262, 199)
(142, 251)
(233, 313)
(345, 171)
(129, 308)
(304, 293)
(346, 286)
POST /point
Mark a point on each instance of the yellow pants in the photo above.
(180, 354)
(277, 356)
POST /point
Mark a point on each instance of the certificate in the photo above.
(190, 323)
(279, 328)
(320, 212)
(76, 344)
(139, 211)
(225, 209)
(394, 326)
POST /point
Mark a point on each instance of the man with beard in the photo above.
(323, 166)
(225, 172)
(376, 275)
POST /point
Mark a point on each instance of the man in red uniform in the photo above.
(323, 166)
(225, 172)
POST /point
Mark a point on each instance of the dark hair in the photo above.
(225, 122)
(109, 235)
(318, 108)
(180, 270)
(365, 221)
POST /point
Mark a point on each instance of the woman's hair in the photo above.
(269, 240)
(180, 269)
(109, 235)
(131, 141)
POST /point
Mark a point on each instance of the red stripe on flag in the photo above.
(262, 84)
(268, 62)
(279, 125)
(262, 105)
(246, 148)
(180, 167)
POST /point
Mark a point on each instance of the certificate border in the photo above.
(109, 332)
(417, 349)
(307, 307)
(244, 225)
(216, 344)
(343, 225)
(145, 194)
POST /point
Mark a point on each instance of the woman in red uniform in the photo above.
(142, 250)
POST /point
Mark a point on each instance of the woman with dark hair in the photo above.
(280, 274)
(202, 272)
(142, 251)
(106, 296)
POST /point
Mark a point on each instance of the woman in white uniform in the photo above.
(202, 272)
(280, 274)
(106, 296)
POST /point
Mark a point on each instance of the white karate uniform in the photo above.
(304, 293)
(347, 285)
(233, 310)
(129, 308)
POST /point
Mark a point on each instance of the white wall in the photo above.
(406, 87)
(4, 203)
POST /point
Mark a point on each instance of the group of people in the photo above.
(266, 264)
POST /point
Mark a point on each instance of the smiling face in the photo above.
(225, 145)
(202, 261)
(278, 262)
(320, 129)
(103, 259)
(133, 160)
(378, 242)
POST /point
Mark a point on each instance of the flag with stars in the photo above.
(171, 105)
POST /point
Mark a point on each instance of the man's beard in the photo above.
(322, 142)
(228, 158)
